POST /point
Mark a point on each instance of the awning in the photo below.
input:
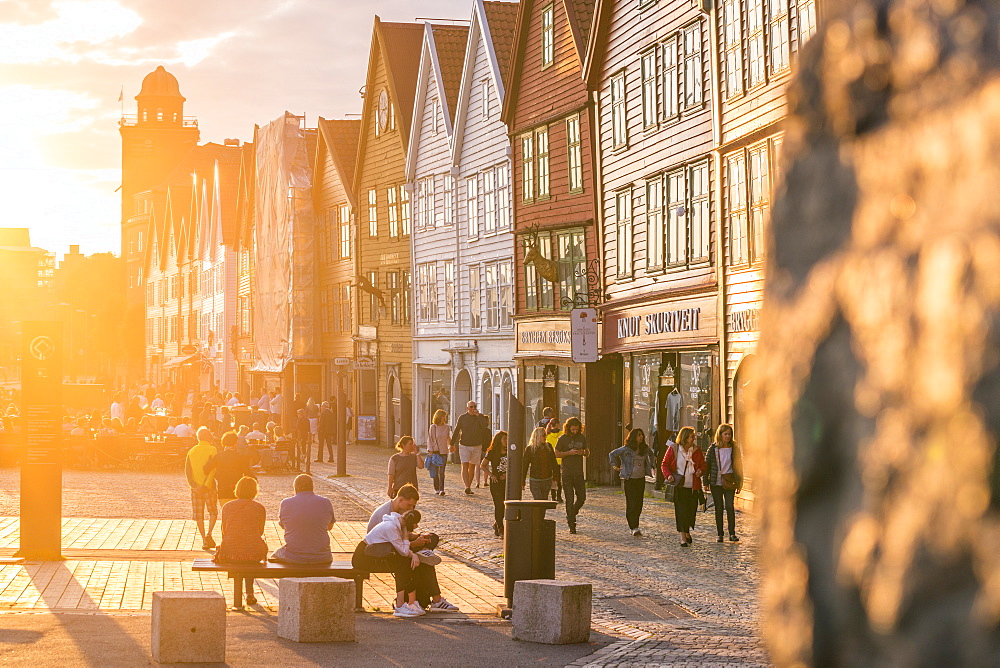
(432, 361)
(177, 361)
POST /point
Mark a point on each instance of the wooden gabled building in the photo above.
(383, 336)
(649, 64)
(336, 215)
(550, 119)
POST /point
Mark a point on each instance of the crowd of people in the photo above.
(553, 468)
(392, 543)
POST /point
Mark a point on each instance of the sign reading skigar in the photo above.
(690, 319)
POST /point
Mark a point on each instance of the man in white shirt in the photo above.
(256, 434)
(171, 425)
(118, 408)
(157, 403)
(264, 403)
(184, 430)
(275, 406)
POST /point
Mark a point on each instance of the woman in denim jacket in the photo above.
(634, 461)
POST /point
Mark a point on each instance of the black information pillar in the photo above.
(41, 463)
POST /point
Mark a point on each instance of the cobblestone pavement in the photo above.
(674, 605)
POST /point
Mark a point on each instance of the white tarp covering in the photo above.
(285, 255)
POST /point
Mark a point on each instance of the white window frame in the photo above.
(489, 201)
(694, 74)
(449, 200)
(733, 45)
(675, 196)
(699, 212)
(807, 20)
(345, 231)
(373, 212)
(505, 281)
(543, 163)
(449, 290)
(779, 37)
(624, 233)
(548, 36)
(392, 204)
(503, 196)
(619, 121)
(574, 153)
(405, 214)
(650, 104)
(472, 206)
(655, 233)
(475, 297)
(527, 167)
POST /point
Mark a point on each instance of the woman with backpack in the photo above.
(634, 461)
(684, 466)
(724, 477)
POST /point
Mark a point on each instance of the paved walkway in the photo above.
(117, 564)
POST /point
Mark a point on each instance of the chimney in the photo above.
(231, 142)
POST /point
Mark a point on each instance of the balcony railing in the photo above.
(187, 121)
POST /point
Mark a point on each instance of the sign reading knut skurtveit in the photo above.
(689, 319)
(583, 333)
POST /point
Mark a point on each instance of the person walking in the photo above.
(439, 444)
(403, 465)
(202, 483)
(553, 430)
(684, 465)
(572, 447)
(472, 433)
(230, 467)
(495, 465)
(539, 465)
(326, 431)
(724, 477)
(634, 461)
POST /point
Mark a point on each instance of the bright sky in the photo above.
(239, 62)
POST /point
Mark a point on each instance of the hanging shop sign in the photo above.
(681, 320)
(583, 334)
(363, 363)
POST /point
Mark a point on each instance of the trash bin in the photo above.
(529, 544)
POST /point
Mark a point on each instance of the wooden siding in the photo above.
(744, 290)
(333, 271)
(670, 143)
(382, 165)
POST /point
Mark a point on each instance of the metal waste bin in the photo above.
(529, 544)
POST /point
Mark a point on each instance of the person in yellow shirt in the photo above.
(553, 430)
(203, 493)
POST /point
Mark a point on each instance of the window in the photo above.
(676, 218)
(449, 290)
(807, 20)
(693, 74)
(404, 209)
(732, 39)
(760, 198)
(755, 42)
(505, 279)
(427, 297)
(427, 209)
(538, 291)
(490, 201)
(472, 206)
(373, 302)
(449, 199)
(332, 246)
(648, 66)
(572, 269)
(345, 232)
(778, 34)
(330, 309)
(527, 168)
(395, 296)
(492, 298)
(436, 110)
(393, 212)
(485, 88)
(698, 217)
(619, 131)
(503, 195)
(654, 223)
(475, 298)
(548, 35)
(420, 204)
(406, 296)
(575, 154)
(372, 214)
(623, 222)
(542, 151)
(736, 207)
(345, 307)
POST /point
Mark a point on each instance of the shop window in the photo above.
(572, 259)
(539, 291)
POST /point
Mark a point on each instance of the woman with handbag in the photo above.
(438, 447)
(684, 465)
(724, 477)
(495, 465)
(633, 461)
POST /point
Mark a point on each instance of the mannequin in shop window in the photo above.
(674, 410)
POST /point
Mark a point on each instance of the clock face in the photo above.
(383, 109)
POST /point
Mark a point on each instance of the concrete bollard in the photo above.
(189, 627)
(316, 609)
(553, 612)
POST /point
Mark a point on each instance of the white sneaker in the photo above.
(405, 611)
(428, 557)
(415, 609)
(443, 606)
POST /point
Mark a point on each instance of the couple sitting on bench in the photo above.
(307, 519)
(394, 546)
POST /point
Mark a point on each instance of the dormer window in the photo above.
(159, 114)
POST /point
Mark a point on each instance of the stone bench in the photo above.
(553, 612)
(316, 609)
(340, 567)
(189, 627)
